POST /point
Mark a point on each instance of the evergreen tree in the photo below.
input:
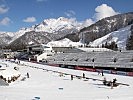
(106, 45)
(103, 46)
(129, 42)
(111, 45)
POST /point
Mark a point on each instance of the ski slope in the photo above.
(48, 85)
(119, 37)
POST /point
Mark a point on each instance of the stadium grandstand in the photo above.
(108, 61)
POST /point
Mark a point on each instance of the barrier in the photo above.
(121, 73)
(129, 73)
(94, 70)
(107, 71)
(113, 72)
(90, 69)
(55, 65)
(87, 69)
(79, 68)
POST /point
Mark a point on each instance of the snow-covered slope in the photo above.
(106, 26)
(119, 37)
(64, 43)
(5, 37)
(11, 34)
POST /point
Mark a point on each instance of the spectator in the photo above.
(104, 81)
(83, 75)
(28, 75)
(102, 73)
(71, 77)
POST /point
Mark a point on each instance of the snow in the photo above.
(64, 43)
(5, 36)
(51, 25)
(31, 42)
(11, 34)
(112, 21)
(94, 49)
(8, 72)
(49, 85)
(54, 25)
(96, 29)
(21, 32)
(119, 37)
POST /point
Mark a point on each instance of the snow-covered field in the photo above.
(49, 85)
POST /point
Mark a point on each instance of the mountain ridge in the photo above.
(60, 28)
(105, 26)
(119, 37)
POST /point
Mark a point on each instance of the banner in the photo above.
(129, 73)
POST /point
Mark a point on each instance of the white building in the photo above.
(40, 51)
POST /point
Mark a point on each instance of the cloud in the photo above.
(88, 22)
(5, 21)
(70, 13)
(3, 9)
(103, 11)
(30, 19)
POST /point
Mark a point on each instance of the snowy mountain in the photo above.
(5, 37)
(60, 28)
(119, 37)
(106, 26)
(8, 37)
(54, 26)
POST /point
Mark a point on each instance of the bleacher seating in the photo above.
(103, 58)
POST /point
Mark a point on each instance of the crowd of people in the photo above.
(110, 83)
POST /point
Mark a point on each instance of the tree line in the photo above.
(129, 42)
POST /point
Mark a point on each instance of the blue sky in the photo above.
(15, 14)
